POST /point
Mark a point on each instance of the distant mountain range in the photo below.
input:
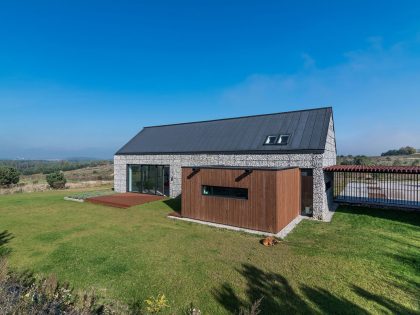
(70, 159)
(54, 154)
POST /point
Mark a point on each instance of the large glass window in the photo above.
(148, 179)
(134, 178)
(227, 192)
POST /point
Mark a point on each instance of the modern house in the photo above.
(257, 172)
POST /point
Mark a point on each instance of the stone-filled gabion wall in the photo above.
(322, 198)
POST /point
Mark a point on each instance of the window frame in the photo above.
(266, 142)
(280, 138)
(212, 194)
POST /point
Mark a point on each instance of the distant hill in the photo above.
(394, 160)
(81, 158)
(30, 167)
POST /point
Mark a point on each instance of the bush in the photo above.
(23, 294)
(8, 176)
(362, 160)
(56, 180)
(397, 162)
(415, 163)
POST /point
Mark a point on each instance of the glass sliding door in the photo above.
(159, 181)
(148, 179)
(134, 178)
(166, 180)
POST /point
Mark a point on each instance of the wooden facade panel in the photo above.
(259, 212)
(288, 196)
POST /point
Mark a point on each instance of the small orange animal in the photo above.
(269, 241)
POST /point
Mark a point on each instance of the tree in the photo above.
(401, 151)
(56, 180)
(8, 176)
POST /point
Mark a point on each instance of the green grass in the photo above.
(364, 261)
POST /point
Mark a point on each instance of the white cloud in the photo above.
(375, 94)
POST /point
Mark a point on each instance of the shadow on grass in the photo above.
(278, 297)
(408, 217)
(408, 260)
(174, 204)
(328, 303)
(276, 293)
(5, 238)
(390, 305)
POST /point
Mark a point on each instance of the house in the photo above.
(235, 171)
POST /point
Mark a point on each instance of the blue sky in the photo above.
(80, 78)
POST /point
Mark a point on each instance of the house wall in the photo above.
(321, 204)
(288, 196)
(324, 201)
(273, 197)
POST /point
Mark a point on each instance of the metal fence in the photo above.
(385, 188)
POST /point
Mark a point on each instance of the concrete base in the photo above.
(329, 214)
(282, 234)
(73, 199)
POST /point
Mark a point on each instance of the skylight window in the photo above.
(270, 140)
(283, 139)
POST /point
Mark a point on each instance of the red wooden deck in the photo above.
(125, 200)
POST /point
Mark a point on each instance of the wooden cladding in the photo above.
(273, 197)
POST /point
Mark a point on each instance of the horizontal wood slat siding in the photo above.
(259, 212)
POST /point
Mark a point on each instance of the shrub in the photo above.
(8, 176)
(156, 304)
(397, 162)
(23, 294)
(56, 180)
(362, 160)
(253, 310)
(415, 163)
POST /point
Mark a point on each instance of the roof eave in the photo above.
(301, 151)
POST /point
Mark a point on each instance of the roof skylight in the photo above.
(283, 139)
(270, 140)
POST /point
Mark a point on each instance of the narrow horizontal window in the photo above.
(226, 192)
(270, 140)
(283, 139)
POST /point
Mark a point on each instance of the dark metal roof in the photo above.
(374, 169)
(308, 131)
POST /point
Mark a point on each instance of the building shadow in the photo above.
(5, 237)
(174, 203)
(408, 217)
(278, 297)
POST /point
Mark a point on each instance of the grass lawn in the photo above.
(364, 261)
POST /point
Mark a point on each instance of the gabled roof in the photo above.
(308, 131)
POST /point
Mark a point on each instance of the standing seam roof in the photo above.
(308, 131)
